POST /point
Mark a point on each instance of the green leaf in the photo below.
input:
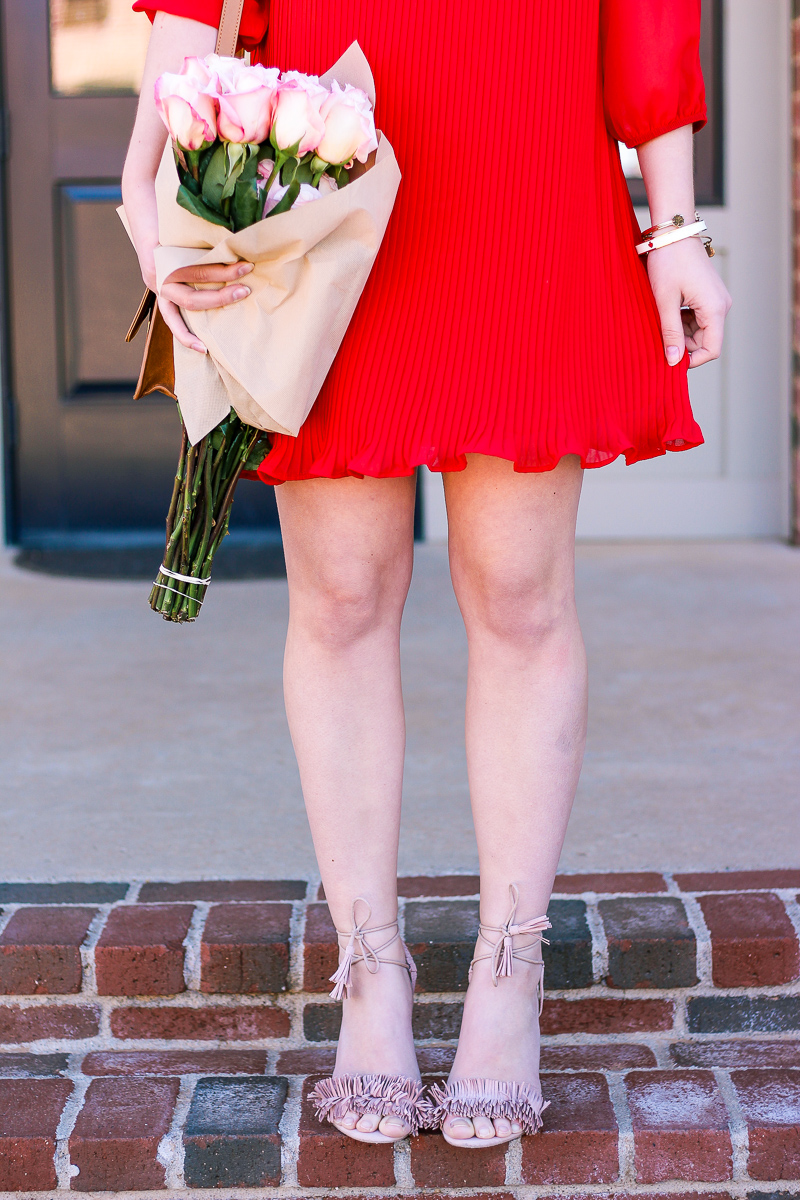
(289, 172)
(236, 159)
(287, 200)
(304, 174)
(196, 206)
(258, 452)
(214, 179)
(247, 204)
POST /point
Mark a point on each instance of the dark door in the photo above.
(89, 461)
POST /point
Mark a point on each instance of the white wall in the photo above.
(737, 484)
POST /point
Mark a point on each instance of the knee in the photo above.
(340, 607)
(521, 605)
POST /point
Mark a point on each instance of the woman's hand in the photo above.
(218, 285)
(692, 301)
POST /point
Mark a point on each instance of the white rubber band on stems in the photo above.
(674, 235)
(183, 578)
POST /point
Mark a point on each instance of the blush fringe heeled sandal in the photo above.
(493, 1098)
(382, 1095)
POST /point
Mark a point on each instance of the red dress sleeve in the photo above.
(652, 81)
(255, 16)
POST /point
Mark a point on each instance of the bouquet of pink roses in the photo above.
(287, 172)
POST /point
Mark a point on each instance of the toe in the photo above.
(502, 1127)
(349, 1120)
(394, 1127)
(484, 1128)
(459, 1127)
(516, 1128)
(368, 1123)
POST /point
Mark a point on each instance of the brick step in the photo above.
(164, 1036)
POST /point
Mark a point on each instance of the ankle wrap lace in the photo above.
(358, 949)
(502, 952)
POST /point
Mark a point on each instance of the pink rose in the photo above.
(349, 126)
(246, 99)
(297, 118)
(197, 72)
(189, 113)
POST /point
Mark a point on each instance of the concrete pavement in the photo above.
(133, 748)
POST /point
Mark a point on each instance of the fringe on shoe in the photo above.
(384, 1095)
(487, 1098)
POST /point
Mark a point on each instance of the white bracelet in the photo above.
(673, 235)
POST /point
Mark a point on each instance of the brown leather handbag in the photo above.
(158, 364)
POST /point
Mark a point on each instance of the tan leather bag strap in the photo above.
(229, 22)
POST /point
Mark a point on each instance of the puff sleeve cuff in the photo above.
(652, 81)
(255, 16)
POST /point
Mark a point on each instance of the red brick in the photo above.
(680, 1126)
(435, 1163)
(736, 881)
(30, 1110)
(40, 950)
(242, 1023)
(736, 1054)
(60, 1021)
(308, 1060)
(414, 886)
(601, 1015)
(580, 1140)
(175, 1062)
(435, 1060)
(643, 882)
(609, 1056)
(224, 889)
(321, 949)
(140, 952)
(116, 1135)
(770, 1103)
(753, 942)
(330, 1159)
(245, 949)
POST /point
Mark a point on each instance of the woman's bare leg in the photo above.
(349, 552)
(512, 562)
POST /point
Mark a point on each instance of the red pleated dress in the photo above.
(507, 313)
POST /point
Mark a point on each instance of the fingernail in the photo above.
(244, 269)
(674, 355)
(199, 347)
(515, 1128)
(239, 293)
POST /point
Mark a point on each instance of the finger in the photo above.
(672, 331)
(187, 297)
(712, 330)
(174, 320)
(210, 273)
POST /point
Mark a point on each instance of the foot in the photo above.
(499, 1039)
(376, 1037)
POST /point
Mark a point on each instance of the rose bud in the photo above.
(189, 114)
(349, 126)
(297, 120)
(197, 71)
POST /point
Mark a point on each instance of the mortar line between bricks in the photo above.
(171, 1151)
(192, 953)
(289, 1129)
(403, 1176)
(698, 924)
(672, 887)
(88, 965)
(514, 1163)
(740, 1137)
(792, 907)
(600, 968)
(297, 945)
(626, 1147)
(739, 1191)
(132, 894)
(69, 1115)
(6, 914)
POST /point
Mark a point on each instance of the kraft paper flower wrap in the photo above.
(269, 354)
